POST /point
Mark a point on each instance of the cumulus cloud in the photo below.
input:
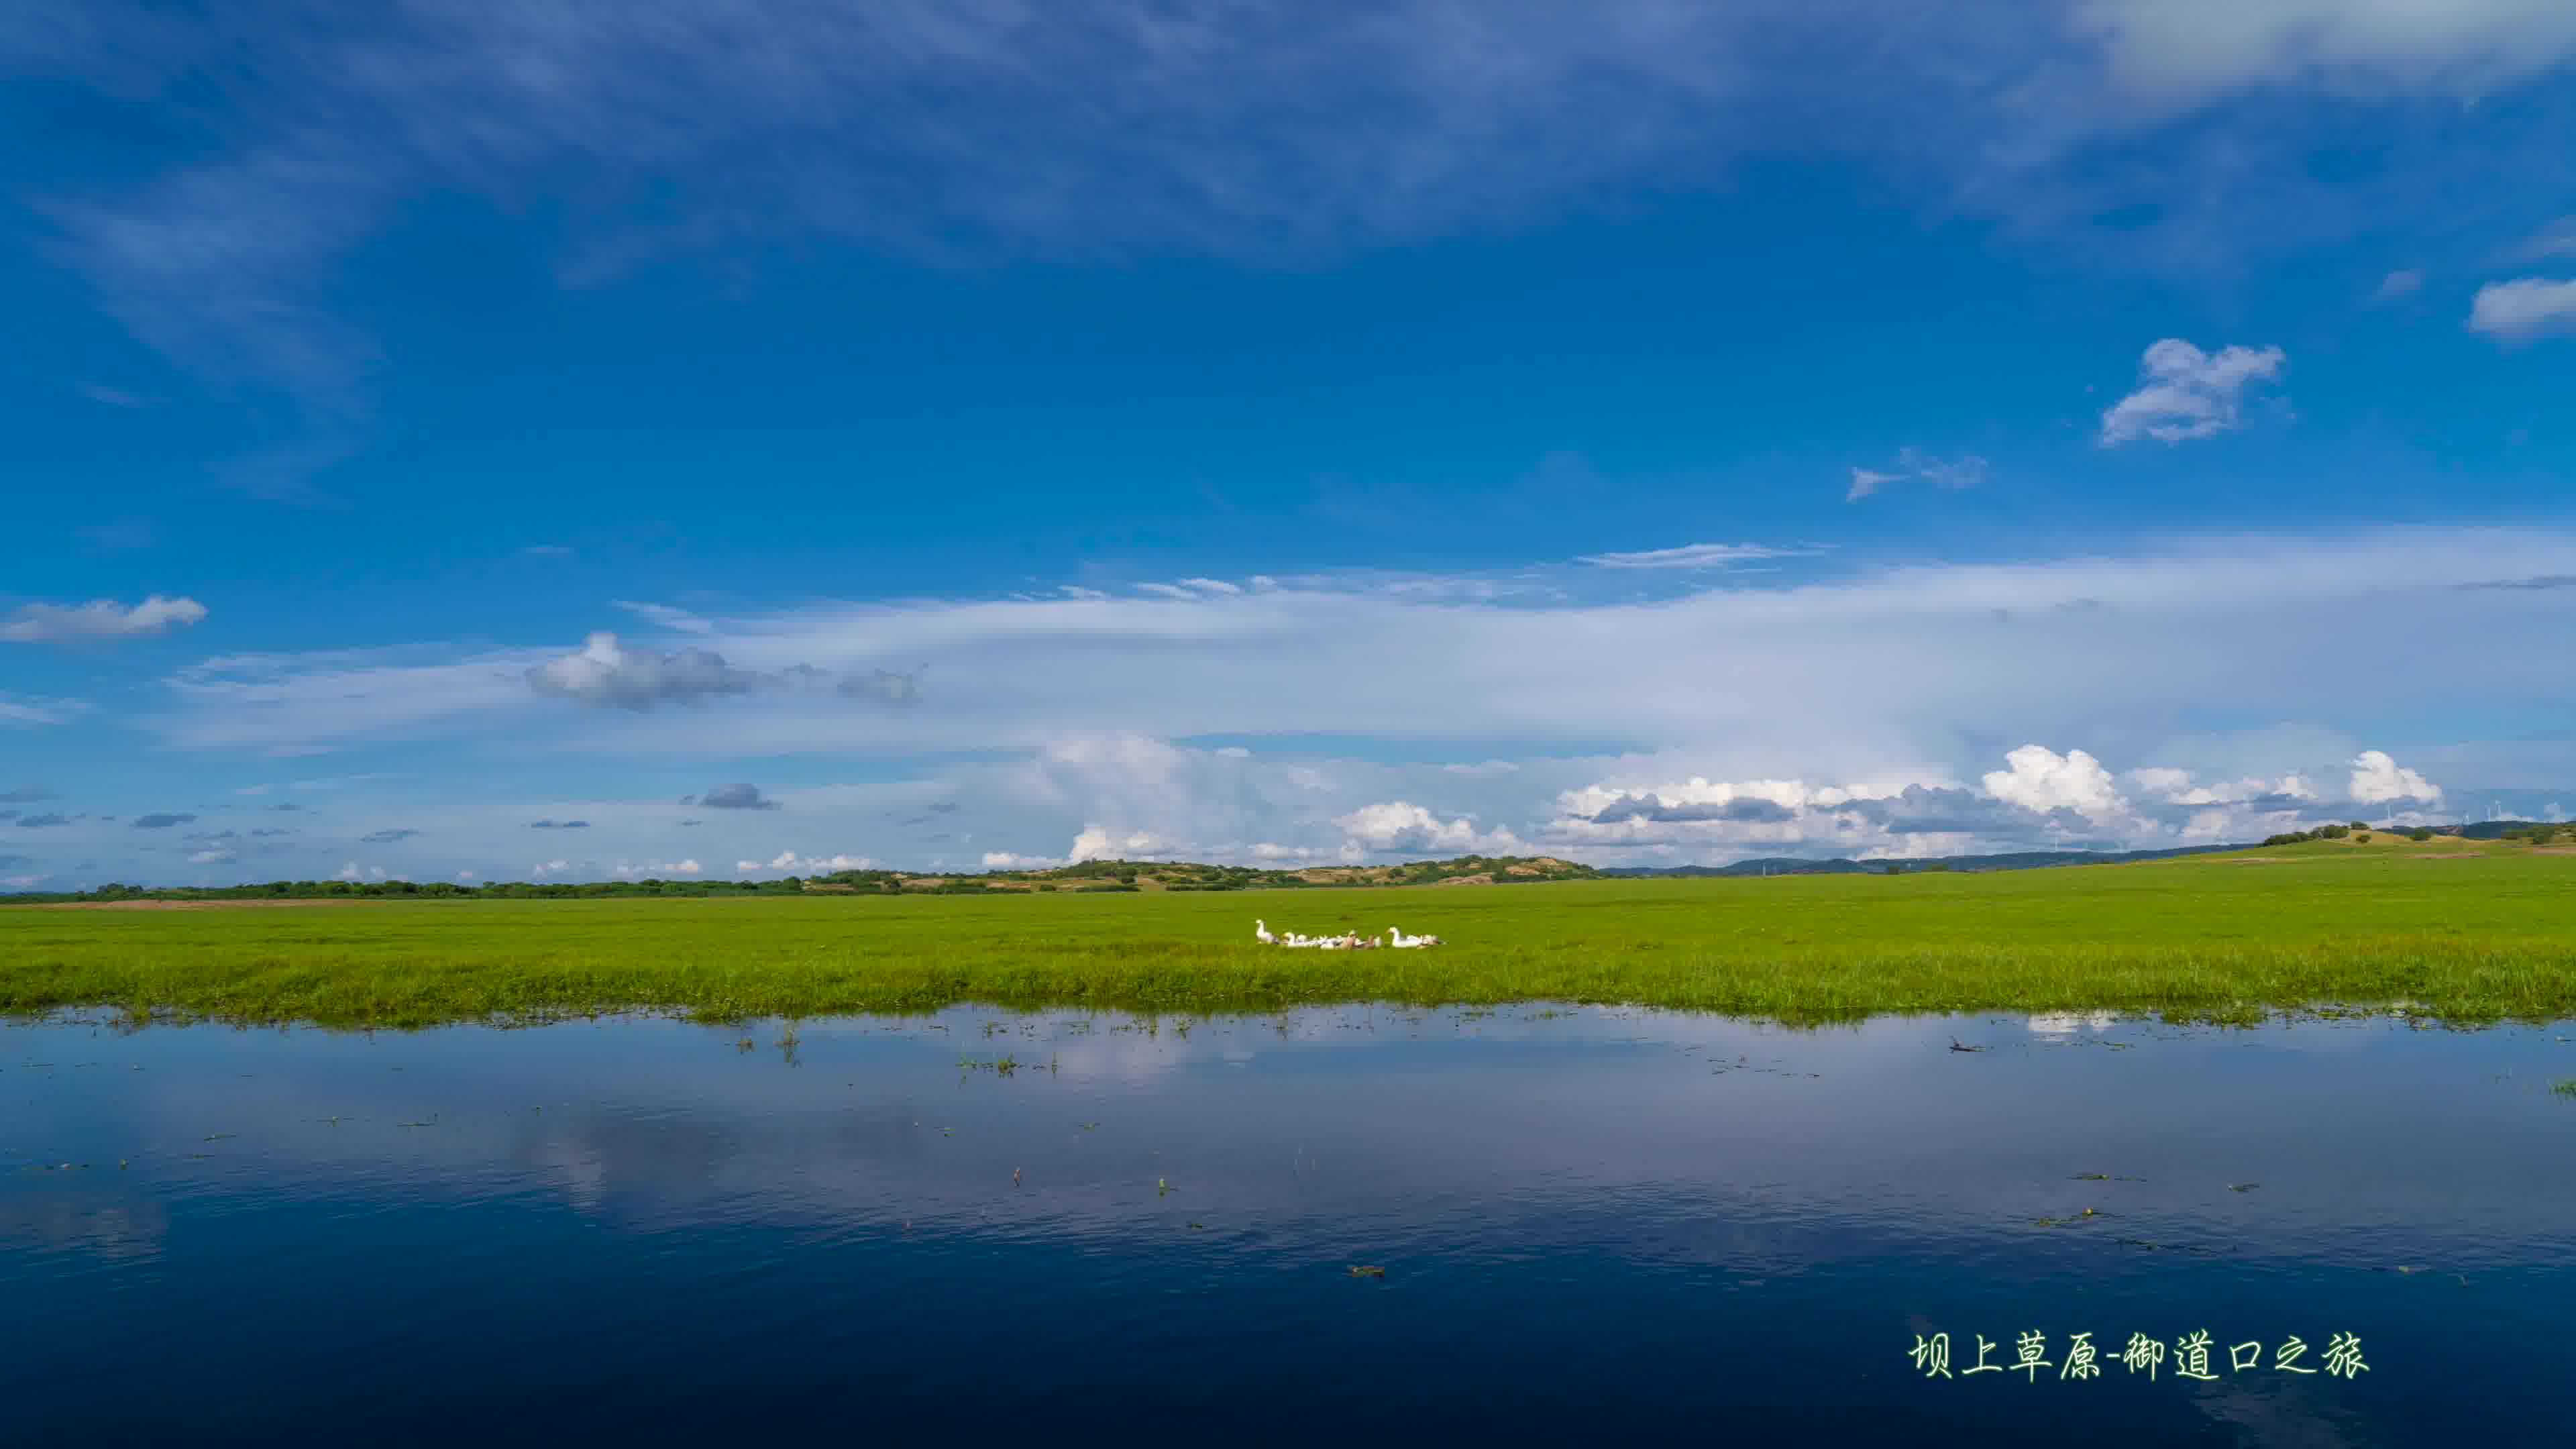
(1965, 471)
(603, 672)
(657, 870)
(212, 855)
(2039, 779)
(1005, 860)
(1095, 842)
(98, 619)
(352, 871)
(791, 863)
(2377, 779)
(2184, 393)
(162, 821)
(1398, 825)
(2524, 309)
(1690, 556)
(732, 797)
(2397, 285)
(2176, 787)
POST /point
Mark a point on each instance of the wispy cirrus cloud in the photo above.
(1965, 471)
(1897, 661)
(1692, 556)
(972, 131)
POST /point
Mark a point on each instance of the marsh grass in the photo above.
(2201, 938)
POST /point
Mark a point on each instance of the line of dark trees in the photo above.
(1108, 876)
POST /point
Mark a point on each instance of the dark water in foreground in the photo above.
(1594, 1225)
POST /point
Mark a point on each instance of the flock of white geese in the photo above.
(1395, 938)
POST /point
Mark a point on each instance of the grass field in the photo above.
(2464, 932)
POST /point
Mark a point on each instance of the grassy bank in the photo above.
(2493, 935)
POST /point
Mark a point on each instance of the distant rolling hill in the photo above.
(2017, 860)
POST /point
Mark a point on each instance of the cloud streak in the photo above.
(99, 619)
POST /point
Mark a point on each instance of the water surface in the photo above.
(1592, 1224)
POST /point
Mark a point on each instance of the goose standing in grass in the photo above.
(1261, 933)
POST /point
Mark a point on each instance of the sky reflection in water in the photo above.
(1593, 1223)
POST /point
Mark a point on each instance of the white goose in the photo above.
(1402, 942)
(1261, 933)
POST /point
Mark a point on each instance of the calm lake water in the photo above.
(1592, 1224)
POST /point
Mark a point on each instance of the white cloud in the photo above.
(1095, 842)
(2185, 393)
(214, 855)
(1690, 556)
(1889, 663)
(352, 871)
(1397, 825)
(27, 710)
(545, 868)
(2558, 239)
(2376, 778)
(790, 863)
(663, 615)
(1005, 860)
(2523, 309)
(2398, 284)
(2040, 779)
(603, 672)
(2175, 787)
(657, 870)
(2182, 52)
(1965, 471)
(1865, 482)
(1211, 586)
(98, 619)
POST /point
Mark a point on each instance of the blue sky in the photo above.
(941, 434)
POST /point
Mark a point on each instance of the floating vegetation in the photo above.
(2564, 1086)
(2085, 1216)
(2243, 1186)
(1367, 1270)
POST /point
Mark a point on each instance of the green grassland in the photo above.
(2462, 930)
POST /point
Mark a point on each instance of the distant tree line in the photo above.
(1092, 875)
